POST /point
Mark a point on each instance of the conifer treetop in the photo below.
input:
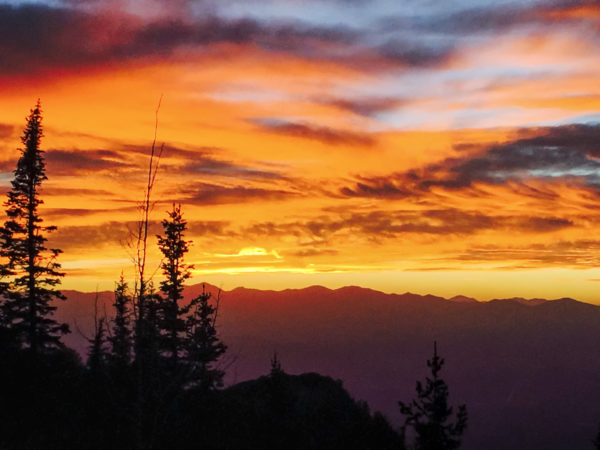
(29, 268)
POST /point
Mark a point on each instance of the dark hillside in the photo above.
(528, 367)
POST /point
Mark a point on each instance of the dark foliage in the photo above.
(121, 339)
(159, 351)
(314, 412)
(276, 369)
(42, 399)
(53, 401)
(30, 271)
(203, 348)
(173, 247)
(429, 415)
(97, 354)
(188, 335)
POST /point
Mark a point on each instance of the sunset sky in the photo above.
(424, 146)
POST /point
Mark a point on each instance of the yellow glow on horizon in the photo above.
(256, 269)
(250, 251)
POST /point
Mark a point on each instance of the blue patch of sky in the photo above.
(424, 83)
(408, 118)
(556, 172)
(357, 13)
(330, 13)
(52, 3)
(586, 119)
(484, 118)
(349, 12)
(412, 116)
(448, 86)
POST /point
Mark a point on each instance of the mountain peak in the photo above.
(463, 299)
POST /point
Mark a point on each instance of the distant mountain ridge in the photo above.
(528, 369)
(196, 289)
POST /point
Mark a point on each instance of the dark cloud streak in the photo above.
(35, 37)
(63, 162)
(380, 225)
(568, 153)
(213, 194)
(368, 107)
(322, 134)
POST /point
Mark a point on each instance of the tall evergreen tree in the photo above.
(429, 415)
(173, 247)
(31, 270)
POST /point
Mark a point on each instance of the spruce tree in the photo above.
(173, 247)
(429, 415)
(276, 369)
(31, 272)
(120, 339)
(203, 348)
(97, 354)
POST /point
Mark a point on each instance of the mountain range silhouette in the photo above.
(528, 369)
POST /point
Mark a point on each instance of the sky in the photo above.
(424, 146)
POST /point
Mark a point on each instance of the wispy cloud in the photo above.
(200, 193)
(322, 134)
(368, 107)
(64, 162)
(577, 254)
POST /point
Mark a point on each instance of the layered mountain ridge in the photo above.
(528, 369)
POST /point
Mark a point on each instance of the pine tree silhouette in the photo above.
(121, 339)
(276, 369)
(429, 414)
(97, 353)
(173, 247)
(203, 348)
(31, 270)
